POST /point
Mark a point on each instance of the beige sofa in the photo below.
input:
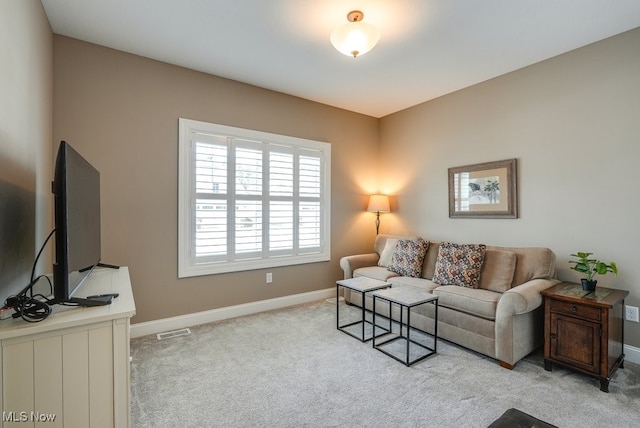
(502, 319)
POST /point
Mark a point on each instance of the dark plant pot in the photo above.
(589, 285)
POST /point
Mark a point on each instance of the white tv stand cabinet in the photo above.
(74, 365)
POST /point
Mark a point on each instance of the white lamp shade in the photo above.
(379, 203)
(355, 38)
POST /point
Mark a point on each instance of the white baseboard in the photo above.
(631, 354)
(190, 320)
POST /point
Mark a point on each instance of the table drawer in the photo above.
(576, 310)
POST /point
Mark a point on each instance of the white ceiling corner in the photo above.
(428, 48)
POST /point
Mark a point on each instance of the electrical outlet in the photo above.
(269, 277)
(631, 313)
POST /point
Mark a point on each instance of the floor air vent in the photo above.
(174, 333)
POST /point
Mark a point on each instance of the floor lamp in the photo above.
(378, 204)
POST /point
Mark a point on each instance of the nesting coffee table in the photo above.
(362, 285)
(406, 298)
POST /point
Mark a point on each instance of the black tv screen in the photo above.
(76, 190)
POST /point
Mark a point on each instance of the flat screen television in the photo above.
(76, 190)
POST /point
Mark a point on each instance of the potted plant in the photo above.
(591, 267)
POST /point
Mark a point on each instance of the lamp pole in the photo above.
(378, 204)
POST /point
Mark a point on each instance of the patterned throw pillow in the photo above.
(459, 264)
(408, 257)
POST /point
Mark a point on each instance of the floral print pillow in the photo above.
(408, 257)
(459, 264)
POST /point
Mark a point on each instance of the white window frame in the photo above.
(188, 264)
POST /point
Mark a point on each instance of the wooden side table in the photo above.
(584, 330)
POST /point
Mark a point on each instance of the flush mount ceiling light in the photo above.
(356, 37)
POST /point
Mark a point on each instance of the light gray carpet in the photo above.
(292, 368)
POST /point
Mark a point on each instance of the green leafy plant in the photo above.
(591, 267)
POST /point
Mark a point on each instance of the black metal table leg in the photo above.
(408, 331)
(406, 298)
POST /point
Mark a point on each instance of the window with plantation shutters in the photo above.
(250, 200)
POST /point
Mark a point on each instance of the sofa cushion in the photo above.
(459, 264)
(497, 271)
(408, 257)
(532, 263)
(481, 303)
(429, 265)
(387, 252)
(375, 272)
(381, 241)
(402, 281)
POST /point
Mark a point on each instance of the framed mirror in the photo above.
(485, 190)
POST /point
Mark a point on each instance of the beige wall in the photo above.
(25, 141)
(570, 121)
(573, 123)
(121, 112)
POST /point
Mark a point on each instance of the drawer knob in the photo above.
(553, 335)
(574, 309)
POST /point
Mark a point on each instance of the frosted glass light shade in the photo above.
(355, 38)
(379, 203)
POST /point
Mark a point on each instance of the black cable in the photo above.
(50, 284)
(35, 262)
(30, 308)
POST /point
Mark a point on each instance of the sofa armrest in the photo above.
(523, 298)
(519, 325)
(351, 263)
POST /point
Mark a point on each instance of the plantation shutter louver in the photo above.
(254, 202)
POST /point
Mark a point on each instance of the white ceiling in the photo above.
(428, 48)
